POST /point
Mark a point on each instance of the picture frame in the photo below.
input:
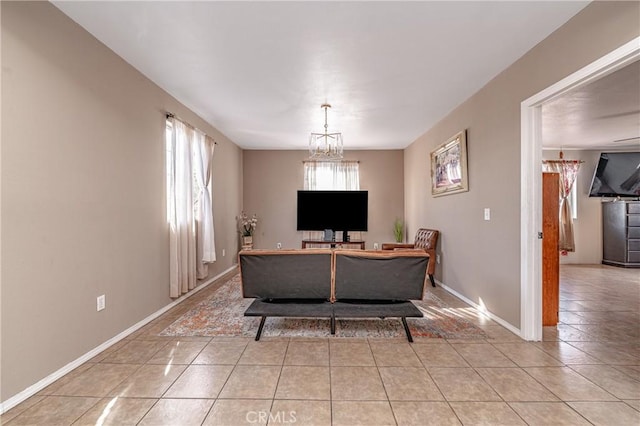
(449, 166)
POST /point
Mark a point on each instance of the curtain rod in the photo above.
(172, 115)
(562, 161)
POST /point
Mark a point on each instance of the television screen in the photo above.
(335, 210)
(617, 175)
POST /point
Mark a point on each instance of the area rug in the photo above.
(221, 314)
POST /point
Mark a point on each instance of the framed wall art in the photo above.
(449, 166)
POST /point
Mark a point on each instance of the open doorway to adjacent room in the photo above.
(595, 109)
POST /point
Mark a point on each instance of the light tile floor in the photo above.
(585, 371)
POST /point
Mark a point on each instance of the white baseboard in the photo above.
(37, 387)
(482, 309)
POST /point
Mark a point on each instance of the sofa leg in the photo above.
(406, 329)
(260, 328)
(433, 282)
(333, 324)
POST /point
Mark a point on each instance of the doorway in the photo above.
(531, 181)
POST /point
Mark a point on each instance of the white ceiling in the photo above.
(259, 71)
(602, 115)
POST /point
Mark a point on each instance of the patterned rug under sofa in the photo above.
(221, 314)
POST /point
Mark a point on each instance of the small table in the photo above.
(334, 244)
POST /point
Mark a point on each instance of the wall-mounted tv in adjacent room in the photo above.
(336, 210)
(617, 175)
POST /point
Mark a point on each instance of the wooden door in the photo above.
(550, 244)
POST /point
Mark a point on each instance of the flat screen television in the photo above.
(336, 210)
(617, 175)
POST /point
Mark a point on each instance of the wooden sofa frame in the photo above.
(323, 283)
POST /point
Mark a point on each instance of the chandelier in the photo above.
(325, 146)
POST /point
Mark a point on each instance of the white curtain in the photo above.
(189, 212)
(568, 171)
(331, 175)
(206, 249)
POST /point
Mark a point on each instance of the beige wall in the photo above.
(83, 193)
(481, 259)
(271, 179)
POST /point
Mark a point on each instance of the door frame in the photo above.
(531, 180)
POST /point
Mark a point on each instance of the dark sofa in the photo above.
(333, 284)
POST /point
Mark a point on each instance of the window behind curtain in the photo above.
(331, 175)
(189, 154)
(327, 176)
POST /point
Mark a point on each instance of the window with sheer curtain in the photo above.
(331, 175)
(189, 155)
(327, 176)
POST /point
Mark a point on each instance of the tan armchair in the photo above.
(426, 239)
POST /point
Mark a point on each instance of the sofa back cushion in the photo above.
(380, 275)
(286, 274)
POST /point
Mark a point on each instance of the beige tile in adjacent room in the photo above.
(566, 353)
(607, 413)
(633, 403)
(356, 383)
(513, 384)
(302, 352)
(482, 355)
(364, 413)
(422, 413)
(568, 385)
(178, 352)
(116, 411)
(527, 355)
(238, 412)
(442, 355)
(632, 371)
(409, 384)
(350, 353)
(304, 382)
(542, 413)
(200, 381)
(222, 352)
(252, 381)
(609, 353)
(486, 413)
(55, 410)
(301, 413)
(462, 384)
(267, 352)
(611, 380)
(183, 412)
(396, 354)
(150, 381)
(99, 380)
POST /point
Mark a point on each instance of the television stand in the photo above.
(333, 244)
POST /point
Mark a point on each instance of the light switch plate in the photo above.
(487, 214)
(101, 303)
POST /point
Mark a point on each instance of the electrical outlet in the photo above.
(438, 259)
(101, 303)
(376, 246)
(279, 246)
(224, 252)
(487, 214)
